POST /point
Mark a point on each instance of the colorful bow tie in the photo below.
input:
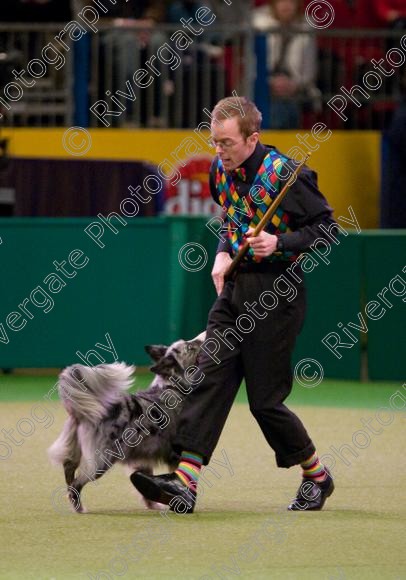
(239, 173)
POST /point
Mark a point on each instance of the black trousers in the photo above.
(253, 326)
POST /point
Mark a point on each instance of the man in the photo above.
(245, 176)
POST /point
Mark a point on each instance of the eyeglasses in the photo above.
(225, 145)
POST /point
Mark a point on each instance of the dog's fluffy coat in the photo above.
(107, 424)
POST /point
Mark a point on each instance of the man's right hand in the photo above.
(221, 264)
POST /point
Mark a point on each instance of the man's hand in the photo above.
(263, 245)
(221, 264)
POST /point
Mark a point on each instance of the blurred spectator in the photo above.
(350, 13)
(36, 11)
(154, 10)
(391, 13)
(128, 38)
(292, 61)
(343, 13)
(198, 83)
(393, 204)
(237, 13)
(21, 46)
(232, 18)
(121, 9)
(362, 15)
(345, 56)
(182, 9)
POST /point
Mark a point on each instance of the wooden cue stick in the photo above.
(265, 218)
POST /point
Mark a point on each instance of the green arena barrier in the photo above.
(122, 290)
(72, 287)
(334, 293)
(385, 285)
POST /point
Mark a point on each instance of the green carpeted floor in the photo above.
(328, 393)
(241, 528)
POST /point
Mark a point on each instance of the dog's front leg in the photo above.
(69, 469)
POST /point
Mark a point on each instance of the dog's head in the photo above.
(175, 359)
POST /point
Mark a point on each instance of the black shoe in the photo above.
(311, 495)
(167, 489)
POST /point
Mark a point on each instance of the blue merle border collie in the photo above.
(107, 424)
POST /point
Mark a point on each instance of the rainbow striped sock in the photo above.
(313, 469)
(189, 468)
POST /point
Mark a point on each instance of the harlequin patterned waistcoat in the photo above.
(244, 212)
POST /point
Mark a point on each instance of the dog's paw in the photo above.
(80, 510)
(75, 502)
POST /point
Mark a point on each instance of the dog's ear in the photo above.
(156, 351)
(164, 366)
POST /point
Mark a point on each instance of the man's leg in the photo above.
(267, 368)
(266, 356)
(205, 410)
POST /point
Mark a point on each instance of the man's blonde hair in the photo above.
(249, 117)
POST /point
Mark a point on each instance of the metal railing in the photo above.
(45, 97)
(176, 84)
(139, 77)
(348, 64)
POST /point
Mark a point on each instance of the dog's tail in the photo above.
(66, 447)
(88, 393)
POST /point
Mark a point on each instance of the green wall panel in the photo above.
(122, 291)
(192, 290)
(334, 296)
(136, 290)
(385, 258)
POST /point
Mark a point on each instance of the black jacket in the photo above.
(305, 204)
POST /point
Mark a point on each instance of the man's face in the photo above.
(286, 10)
(231, 146)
